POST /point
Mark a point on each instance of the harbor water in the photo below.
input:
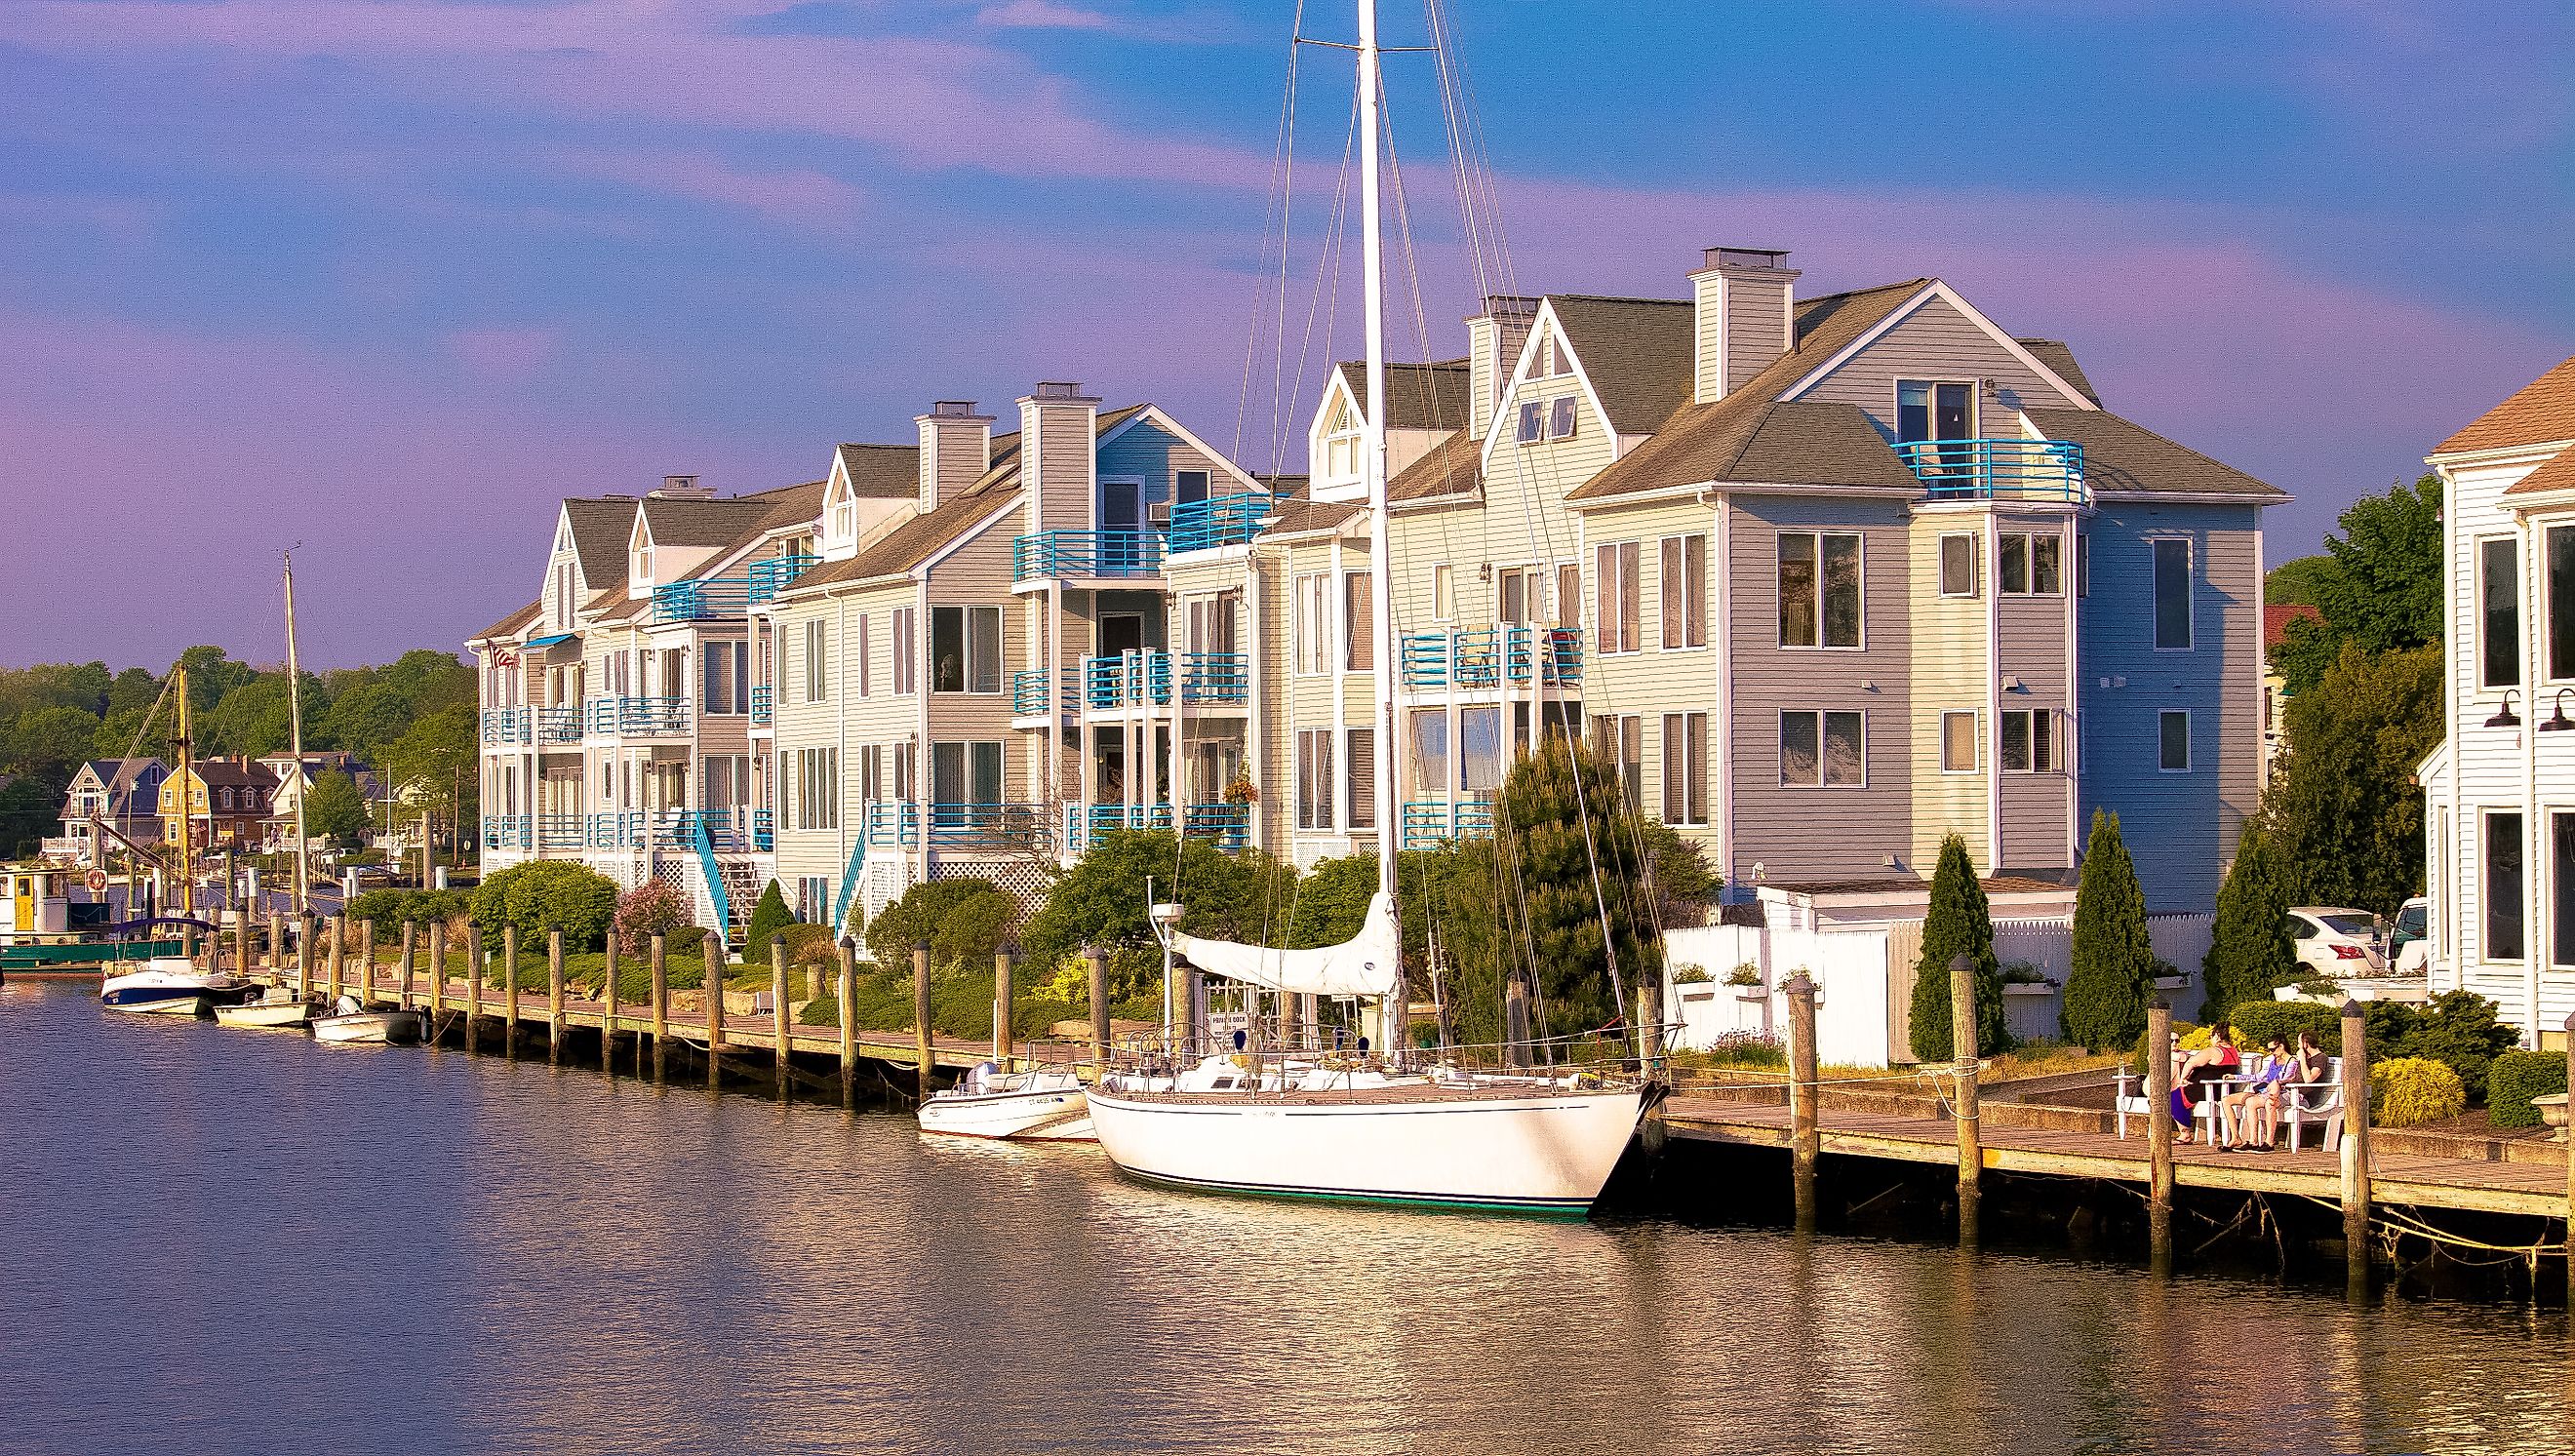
(232, 1241)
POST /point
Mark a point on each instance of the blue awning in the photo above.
(547, 642)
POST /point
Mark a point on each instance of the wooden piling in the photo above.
(842, 989)
(339, 938)
(1962, 1041)
(554, 994)
(510, 990)
(366, 963)
(1806, 1138)
(1649, 1021)
(921, 1049)
(2159, 1134)
(403, 976)
(661, 994)
(608, 1008)
(2355, 1149)
(1003, 990)
(436, 975)
(477, 963)
(1097, 962)
(276, 944)
(781, 1018)
(303, 958)
(188, 942)
(2570, 1172)
(713, 950)
(241, 944)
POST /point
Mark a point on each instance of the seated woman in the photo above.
(2310, 1070)
(2192, 1074)
(2257, 1104)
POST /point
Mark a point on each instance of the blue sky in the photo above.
(390, 275)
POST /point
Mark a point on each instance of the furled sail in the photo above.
(1369, 964)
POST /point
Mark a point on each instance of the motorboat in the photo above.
(280, 1009)
(1041, 1104)
(170, 986)
(350, 1021)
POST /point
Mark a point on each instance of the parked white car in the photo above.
(2409, 944)
(2336, 943)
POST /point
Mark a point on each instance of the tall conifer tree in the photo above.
(2114, 975)
(2249, 949)
(1960, 921)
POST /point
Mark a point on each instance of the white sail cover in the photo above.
(1368, 965)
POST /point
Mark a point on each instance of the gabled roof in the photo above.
(224, 773)
(2277, 615)
(2538, 413)
(1417, 395)
(1453, 467)
(1636, 351)
(512, 625)
(881, 472)
(2558, 474)
(2122, 455)
(691, 522)
(600, 531)
(2060, 362)
(1748, 435)
(1303, 514)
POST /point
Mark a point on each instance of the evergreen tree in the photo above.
(768, 918)
(1960, 923)
(2249, 949)
(2342, 800)
(2114, 964)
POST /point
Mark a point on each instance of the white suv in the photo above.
(2409, 944)
(2336, 943)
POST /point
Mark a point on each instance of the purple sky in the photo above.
(388, 277)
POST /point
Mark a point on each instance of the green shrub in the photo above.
(811, 946)
(2258, 1021)
(2517, 1076)
(649, 910)
(963, 919)
(2249, 949)
(388, 909)
(2459, 1030)
(1959, 922)
(2112, 976)
(823, 1010)
(2410, 1091)
(768, 916)
(1746, 1048)
(542, 893)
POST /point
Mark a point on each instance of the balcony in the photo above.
(1487, 656)
(559, 831)
(1032, 695)
(615, 831)
(559, 725)
(763, 706)
(2046, 470)
(765, 578)
(640, 716)
(505, 727)
(1127, 553)
(1230, 824)
(710, 598)
(507, 832)
(1429, 824)
(1144, 679)
(1218, 521)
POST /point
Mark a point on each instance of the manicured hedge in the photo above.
(2517, 1076)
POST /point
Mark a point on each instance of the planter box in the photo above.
(2029, 989)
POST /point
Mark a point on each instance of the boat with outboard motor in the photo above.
(351, 1023)
(1041, 1104)
(171, 985)
(280, 1009)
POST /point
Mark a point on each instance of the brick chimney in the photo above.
(1059, 433)
(1743, 302)
(1494, 341)
(956, 449)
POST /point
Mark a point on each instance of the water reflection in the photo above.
(232, 1242)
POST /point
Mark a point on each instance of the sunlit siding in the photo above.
(1936, 342)
(1949, 675)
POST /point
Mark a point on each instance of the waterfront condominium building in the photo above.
(1831, 577)
(2499, 793)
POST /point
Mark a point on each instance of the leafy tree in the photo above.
(1101, 902)
(2343, 806)
(49, 741)
(964, 920)
(1960, 921)
(2379, 586)
(211, 675)
(649, 910)
(2293, 583)
(27, 808)
(334, 810)
(2249, 951)
(544, 894)
(769, 917)
(2114, 964)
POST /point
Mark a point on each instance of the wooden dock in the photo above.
(2534, 1187)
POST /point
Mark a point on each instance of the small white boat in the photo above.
(280, 1009)
(350, 1021)
(169, 985)
(1044, 1105)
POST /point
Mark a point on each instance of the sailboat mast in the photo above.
(1373, 455)
(187, 793)
(295, 744)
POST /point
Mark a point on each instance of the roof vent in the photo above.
(1510, 305)
(1743, 258)
(683, 487)
(953, 409)
(1056, 389)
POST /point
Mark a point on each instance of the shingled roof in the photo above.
(881, 472)
(2539, 412)
(687, 522)
(1417, 395)
(1636, 351)
(600, 530)
(1453, 467)
(2123, 456)
(2060, 362)
(509, 626)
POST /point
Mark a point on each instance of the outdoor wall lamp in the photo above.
(2504, 716)
(2558, 722)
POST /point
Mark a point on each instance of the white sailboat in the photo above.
(174, 986)
(1444, 1137)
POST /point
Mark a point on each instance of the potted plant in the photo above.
(2024, 978)
(1241, 791)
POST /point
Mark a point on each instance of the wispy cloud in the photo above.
(798, 198)
(1041, 15)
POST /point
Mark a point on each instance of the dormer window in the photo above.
(1341, 444)
(841, 514)
(1546, 361)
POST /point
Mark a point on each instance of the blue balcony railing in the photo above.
(1554, 653)
(763, 837)
(1121, 553)
(895, 825)
(503, 725)
(1230, 824)
(708, 599)
(2004, 470)
(1218, 521)
(1214, 677)
(559, 725)
(764, 705)
(1486, 657)
(615, 831)
(507, 832)
(1429, 823)
(637, 715)
(765, 578)
(560, 831)
(1032, 693)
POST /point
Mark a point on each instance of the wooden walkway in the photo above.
(2537, 1188)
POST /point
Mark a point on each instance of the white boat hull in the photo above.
(168, 986)
(1548, 1152)
(1057, 1112)
(286, 1014)
(371, 1026)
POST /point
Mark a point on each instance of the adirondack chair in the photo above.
(2128, 1096)
(2302, 1104)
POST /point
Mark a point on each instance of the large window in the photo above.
(727, 677)
(2561, 602)
(1315, 779)
(1358, 619)
(1925, 409)
(1314, 609)
(1819, 574)
(1431, 746)
(2561, 888)
(2172, 740)
(2499, 613)
(1560, 418)
(1532, 424)
(1479, 748)
(1622, 738)
(1616, 594)
(1958, 743)
(818, 660)
(2028, 744)
(1684, 591)
(2172, 594)
(906, 651)
(1823, 751)
(1686, 767)
(966, 774)
(2503, 888)
(2031, 565)
(1359, 751)
(1958, 565)
(815, 789)
(966, 649)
